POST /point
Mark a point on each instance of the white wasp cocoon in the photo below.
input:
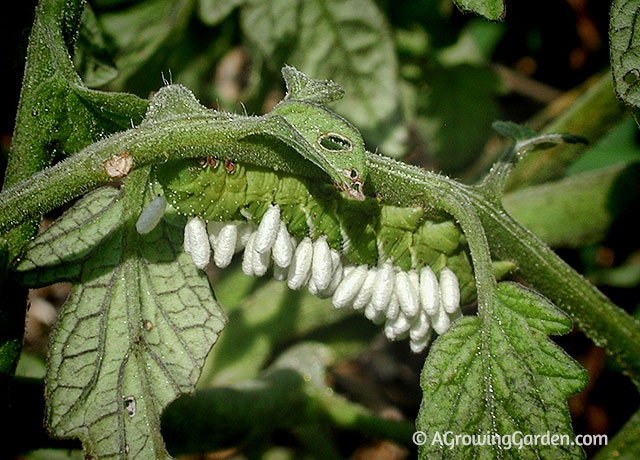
(420, 327)
(247, 258)
(245, 229)
(268, 230)
(336, 277)
(417, 346)
(322, 264)
(300, 268)
(441, 322)
(383, 288)
(225, 245)
(374, 315)
(261, 261)
(214, 227)
(196, 242)
(366, 291)
(406, 294)
(280, 273)
(151, 215)
(393, 308)
(398, 327)
(429, 291)
(449, 290)
(283, 247)
(349, 287)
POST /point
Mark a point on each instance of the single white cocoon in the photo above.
(383, 287)
(282, 251)
(336, 277)
(441, 322)
(429, 291)
(406, 295)
(373, 315)
(421, 327)
(417, 346)
(300, 268)
(366, 291)
(449, 290)
(322, 264)
(398, 327)
(261, 261)
(247, 257)
(214, 227)
(151, 215)
(268, 230)
(393, 308)
(196, 242)
(225, 245)
(245, 229)
(349, 287)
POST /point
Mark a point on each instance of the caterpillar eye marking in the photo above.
(335, 142)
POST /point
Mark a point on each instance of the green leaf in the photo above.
(58, 113)
(212, 12)
(350, 43)
(577, 210)
(134, 333)
(624, 33)
(499, 376)
(460, 99)
(493, 10)
(144, 34)
(92, 57)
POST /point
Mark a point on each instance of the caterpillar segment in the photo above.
(398, 266)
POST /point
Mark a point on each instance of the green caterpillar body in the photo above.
(363, 231)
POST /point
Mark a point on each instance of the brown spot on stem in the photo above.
(118, 165)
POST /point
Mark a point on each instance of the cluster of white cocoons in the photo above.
(410, 304)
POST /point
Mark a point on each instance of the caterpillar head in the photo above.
(320, 135)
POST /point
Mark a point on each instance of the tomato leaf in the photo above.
(135, 331)
(498, 376)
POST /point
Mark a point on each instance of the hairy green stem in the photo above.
(600, 319)
(187, 137)
(397, 183)
(606, 324)
(58, 22)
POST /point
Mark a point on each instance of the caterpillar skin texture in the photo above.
(367, 256)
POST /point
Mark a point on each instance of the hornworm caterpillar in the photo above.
(364, 254)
